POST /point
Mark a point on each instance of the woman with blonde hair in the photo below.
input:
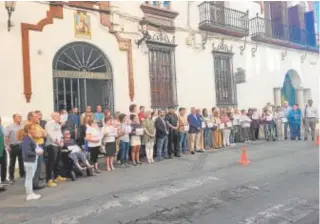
(149, 135)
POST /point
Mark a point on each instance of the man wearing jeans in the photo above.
(310, 116)
(14, 146)
(162, 131)
(182, 131)
(286, 110)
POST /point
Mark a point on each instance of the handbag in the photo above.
(102, 148)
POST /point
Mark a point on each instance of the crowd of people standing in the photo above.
(123, 137)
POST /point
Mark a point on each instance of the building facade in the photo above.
(59, 55)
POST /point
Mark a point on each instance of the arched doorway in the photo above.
(82, 76)
(291, 83)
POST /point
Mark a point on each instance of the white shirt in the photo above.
(310, 112)
(109, 134)
(54, 133)
(95, 133)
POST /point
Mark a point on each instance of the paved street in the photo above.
(280, 186)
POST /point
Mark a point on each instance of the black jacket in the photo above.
(28, 150)
(162, 128)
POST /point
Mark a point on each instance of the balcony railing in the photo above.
(268, 31)
(217, 18)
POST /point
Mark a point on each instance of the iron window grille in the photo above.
(162, 71)
(226, 93)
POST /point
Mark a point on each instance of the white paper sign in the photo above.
(210, 125)
(203, 124)
(284, 120)
(268, 118)
(229, 124)
(74, 148)
(221, 126)
(139, 131)
(113, 132)
(235, 122)
(127, 129)
(186, 128)
(246, 124)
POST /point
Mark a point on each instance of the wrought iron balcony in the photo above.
(219, 19)
(270, 32)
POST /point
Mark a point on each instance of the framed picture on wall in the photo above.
(82, 25)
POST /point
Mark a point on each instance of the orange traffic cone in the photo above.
(244, 157)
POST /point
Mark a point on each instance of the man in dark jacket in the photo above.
(194, 130)
(172, 120)
(162, 131)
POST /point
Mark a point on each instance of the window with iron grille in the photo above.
(162, 74)
(224, 80)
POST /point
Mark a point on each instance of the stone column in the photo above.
(277, 96)
(300, 97)
(307, 95)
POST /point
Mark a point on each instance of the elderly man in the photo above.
(40, 134)
(286, 110)
(13, 145)
(310, 117)
(194, 130)
(54, 142)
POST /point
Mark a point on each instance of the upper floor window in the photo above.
(226, 94)
(160, 4)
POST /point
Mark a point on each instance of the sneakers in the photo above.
(51, 183)
(33, 197)
(60, 178)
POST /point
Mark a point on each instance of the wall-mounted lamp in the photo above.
(143, 27)
(10, 7)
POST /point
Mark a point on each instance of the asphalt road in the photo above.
(279, 186)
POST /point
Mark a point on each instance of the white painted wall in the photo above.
(194, 65)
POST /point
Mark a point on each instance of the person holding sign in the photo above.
(280, 122)
(109, 133)
(245, 125)
(125, 130)
(217, 135)
(135, 142)
(149, 135)
(194, 130)
(230, 115)
(225, 120)
(207, 131)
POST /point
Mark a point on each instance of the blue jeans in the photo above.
(162, 147)
(232, 135)
(182, 141)
(207, 138)
(286, 126)
(124, 151)
(295, 130)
